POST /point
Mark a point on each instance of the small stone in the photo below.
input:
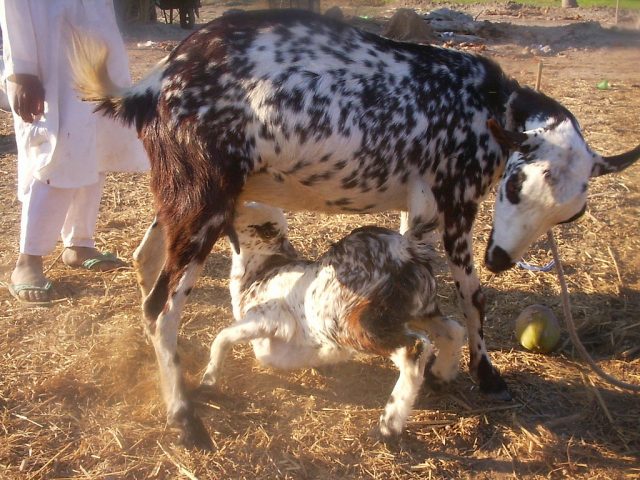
(334, 12)
(407, 26)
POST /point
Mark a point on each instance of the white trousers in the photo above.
(50, 213)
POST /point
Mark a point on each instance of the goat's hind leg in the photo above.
(411, 362)
(188, 249)
(149, 257)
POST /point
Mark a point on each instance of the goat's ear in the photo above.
(233, 238)
(506, 138)
(614, 163)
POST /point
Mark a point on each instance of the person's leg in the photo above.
(43, 213)
(79, 229)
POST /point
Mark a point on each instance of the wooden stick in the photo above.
(60, 452)
(571, 327)
(615, 264)
(539, 76)
(566, 307)
(178, 465)
(53, 263)
(589, 384)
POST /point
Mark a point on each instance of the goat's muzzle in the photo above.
(498, 260)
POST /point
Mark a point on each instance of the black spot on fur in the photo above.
(479, 301)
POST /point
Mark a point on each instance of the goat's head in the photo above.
(262, 230)
(545, 183)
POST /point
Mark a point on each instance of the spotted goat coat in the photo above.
(306, 113)
(373, 292)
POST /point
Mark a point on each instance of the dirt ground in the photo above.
(79, 394)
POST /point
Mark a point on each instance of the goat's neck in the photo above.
(249, 267)
(244, 267)
(247, 263)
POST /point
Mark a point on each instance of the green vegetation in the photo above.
(628, 4)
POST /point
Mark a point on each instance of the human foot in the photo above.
(91, 259)
(28, 283)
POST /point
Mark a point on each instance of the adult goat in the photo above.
(306, 113)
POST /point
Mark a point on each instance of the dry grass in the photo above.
(78, 382)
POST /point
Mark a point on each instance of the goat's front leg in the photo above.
(460, 257)
(269, 320)
(149, 257)
(411, 362)
(448, 337)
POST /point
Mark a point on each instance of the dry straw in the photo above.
(79, 394)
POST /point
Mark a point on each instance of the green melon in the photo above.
(537, 329)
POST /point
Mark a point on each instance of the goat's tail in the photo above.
(88, 56)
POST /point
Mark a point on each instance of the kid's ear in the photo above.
(233, 238)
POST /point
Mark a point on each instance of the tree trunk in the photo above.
(569, 3)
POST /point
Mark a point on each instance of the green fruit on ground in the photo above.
(537, 329)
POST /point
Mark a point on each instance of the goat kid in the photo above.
(372, 292)
(302, 112)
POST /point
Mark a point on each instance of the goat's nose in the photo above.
(497, 260)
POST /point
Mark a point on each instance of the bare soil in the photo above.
(79, 394)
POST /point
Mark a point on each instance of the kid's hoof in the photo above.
(206, 391)
(433, 382)
(391, 440)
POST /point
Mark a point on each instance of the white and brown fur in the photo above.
(373, 292)
(307, 113)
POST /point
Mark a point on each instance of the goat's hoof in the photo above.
(433, 382)
(208, 380)
(206, 391)
(491, 383)
(383, 435)
(499, 395)
(387, 431)
(193, 434)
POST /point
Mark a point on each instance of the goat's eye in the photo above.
(514, 186)
(266, 231)
(548, 177)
